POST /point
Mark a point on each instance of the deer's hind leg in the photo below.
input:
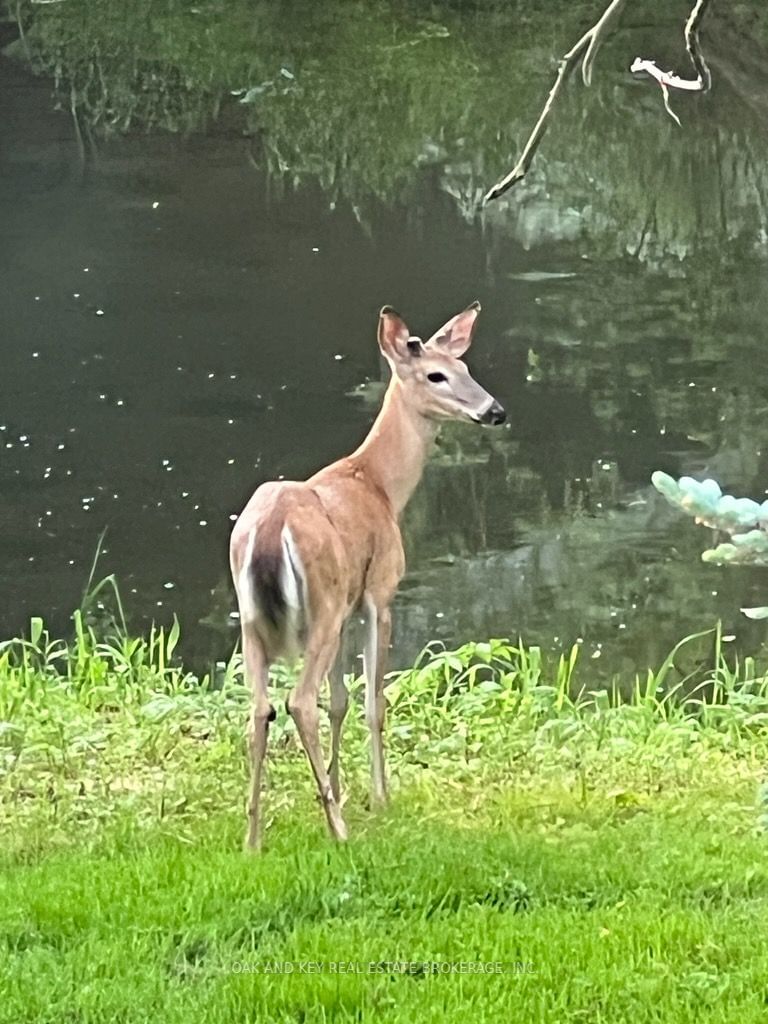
(320, 651)
(260, 715)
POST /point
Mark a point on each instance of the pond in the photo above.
(204, 207)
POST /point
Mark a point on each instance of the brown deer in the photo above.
(305, 555)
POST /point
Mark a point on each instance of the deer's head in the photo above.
(432, 376)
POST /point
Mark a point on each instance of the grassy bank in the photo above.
(608, 852)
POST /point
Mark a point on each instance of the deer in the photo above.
(306, 555)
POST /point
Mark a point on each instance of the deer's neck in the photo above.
(397, 447)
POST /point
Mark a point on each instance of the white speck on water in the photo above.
(338, 356)
(211, 376)
(233, 518)
(230, 462)
(155, 205)
(196, 508)
(234, 615)
(75, 295)
(169, 585)
(99, 312)
(203, 522)
(35, 355)
(315, 249)
(596, 654)
(728, 639)
(439, 615)
(230, 422)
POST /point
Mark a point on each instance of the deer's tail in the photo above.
(271, 586)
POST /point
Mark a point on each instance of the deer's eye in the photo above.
(436, 378)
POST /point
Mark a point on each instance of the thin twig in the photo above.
(668, 80)
(589, 42)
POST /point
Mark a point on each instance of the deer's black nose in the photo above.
(494, 415)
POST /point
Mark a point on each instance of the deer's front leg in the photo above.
(379, 628)
(337, 714)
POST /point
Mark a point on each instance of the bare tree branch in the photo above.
(668, 80)
(692, 44)
(589, 42)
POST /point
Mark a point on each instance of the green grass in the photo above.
(611, 845)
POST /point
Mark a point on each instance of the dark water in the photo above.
(190, 288)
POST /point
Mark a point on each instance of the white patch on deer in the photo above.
(246, 598)
(294, 587)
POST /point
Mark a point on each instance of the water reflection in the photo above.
(190, 314)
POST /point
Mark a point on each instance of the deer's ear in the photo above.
(393, 336)
(455, 337)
